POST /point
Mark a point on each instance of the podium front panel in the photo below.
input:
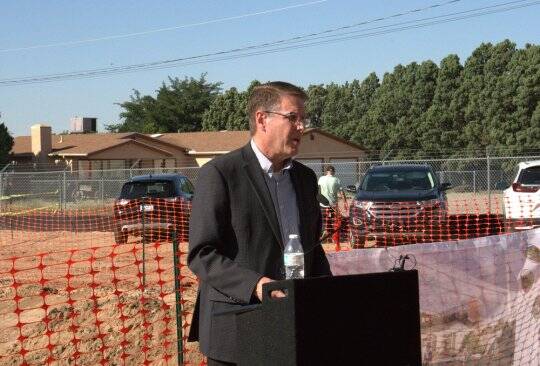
(367, 319)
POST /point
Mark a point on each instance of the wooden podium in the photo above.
(367, 319)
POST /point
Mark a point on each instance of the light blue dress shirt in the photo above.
(282, 192)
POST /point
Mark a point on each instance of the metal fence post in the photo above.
(64, 189)
(2, 192)
(178, 298)
(143, 213)
(474, 181)
(60, 195)
(2, 177)
(102, 189)
(488, 163)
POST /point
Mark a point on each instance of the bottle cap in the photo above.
(293, 236)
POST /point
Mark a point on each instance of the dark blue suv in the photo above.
(153, 204)
(399, 201)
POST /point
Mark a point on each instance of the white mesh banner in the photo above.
(479, 298)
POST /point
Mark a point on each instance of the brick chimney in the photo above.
(41, 142)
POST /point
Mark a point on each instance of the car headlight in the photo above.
(430, 204)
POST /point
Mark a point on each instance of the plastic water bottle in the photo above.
(293, 258)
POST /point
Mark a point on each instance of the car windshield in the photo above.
(530, 176)
(398, 181)
(156, 189)
(186, 186)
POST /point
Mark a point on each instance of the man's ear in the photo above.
(260, 121)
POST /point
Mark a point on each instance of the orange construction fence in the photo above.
(110, 285)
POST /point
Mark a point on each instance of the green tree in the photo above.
(511, 123)
(358, 130)
(473, 90)
(424, 110)
(391, 125)
(6, 143)
(339, 108)
(316, 103)
(443, 122)
(338, 103)
(140, 115)
(227, 112)
(178, 107)
(527, 99)
(501, 85)
(417, 110)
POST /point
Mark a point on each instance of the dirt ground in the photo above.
(68, 296)
(76, 298)
(71, 298)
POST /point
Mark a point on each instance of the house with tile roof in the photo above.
(105, 151)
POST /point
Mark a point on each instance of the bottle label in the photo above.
(294, 259)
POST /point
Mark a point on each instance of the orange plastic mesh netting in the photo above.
(106, 286)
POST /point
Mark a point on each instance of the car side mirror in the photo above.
(351, 189)
(445, 186)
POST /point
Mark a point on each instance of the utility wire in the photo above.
(120, 36)
(267, 44)
(203, 58)
(241, 52)
(320, 35)
(106, 38)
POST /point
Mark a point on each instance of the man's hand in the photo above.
(258, 289)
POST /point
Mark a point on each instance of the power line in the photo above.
(135, 34)
(192, 60)
(320, 35)
(261, 45)
(106, 38)
(249, 50)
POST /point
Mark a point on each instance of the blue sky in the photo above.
(50, 37)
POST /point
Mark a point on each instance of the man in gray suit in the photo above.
(246, 204)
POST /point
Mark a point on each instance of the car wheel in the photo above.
(120, 237)
(356, 240)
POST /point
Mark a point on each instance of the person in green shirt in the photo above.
(329, 186)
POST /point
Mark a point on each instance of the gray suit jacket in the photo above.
(235, 239)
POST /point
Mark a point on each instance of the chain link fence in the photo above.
(69, 189)
(465, 174)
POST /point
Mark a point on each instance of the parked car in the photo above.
(522, 198)
(398, 201)
(153, 204)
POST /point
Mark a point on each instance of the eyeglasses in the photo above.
(294, 118)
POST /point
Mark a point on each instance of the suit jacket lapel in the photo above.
(256, 178)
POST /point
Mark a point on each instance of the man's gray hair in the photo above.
(268, 96)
